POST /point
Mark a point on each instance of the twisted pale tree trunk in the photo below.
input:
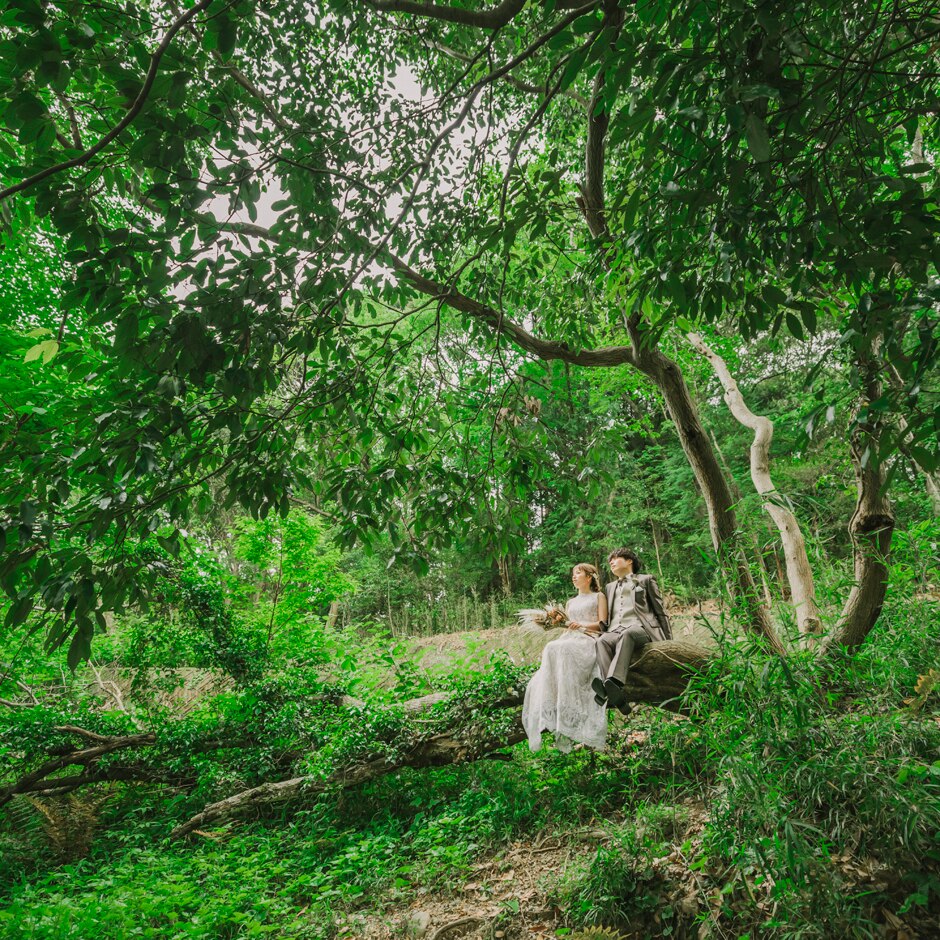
(799, 572)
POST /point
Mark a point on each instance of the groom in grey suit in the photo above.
(636, 616)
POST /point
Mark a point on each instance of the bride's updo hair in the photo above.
(585, 568)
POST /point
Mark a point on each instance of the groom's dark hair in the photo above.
(629, 556)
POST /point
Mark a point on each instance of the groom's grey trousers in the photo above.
(615, 648)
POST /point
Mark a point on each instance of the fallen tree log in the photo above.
(659, 675)
(661, 672)
(82, 757)
(436, 751)
(39, 781)
(131, 773)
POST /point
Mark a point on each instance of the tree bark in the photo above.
(85, 756)
(722, 522)
(493, 18)
(654, 527)
(504, 576)
(436, 751)
(662, 671)
(870, 528)
(799, 571)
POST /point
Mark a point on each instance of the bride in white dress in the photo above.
(559, 697)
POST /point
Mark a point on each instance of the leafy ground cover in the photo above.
(785, 801)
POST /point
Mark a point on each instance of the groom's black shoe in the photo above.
(614, 694)
(600, 690)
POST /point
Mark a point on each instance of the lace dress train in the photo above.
(559, 697)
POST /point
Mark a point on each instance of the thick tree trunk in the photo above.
(870, 528)
(654, 527)
(668, 378)
(661, 672)
(799, 572)
(333, 614)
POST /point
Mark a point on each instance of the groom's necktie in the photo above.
(616, 592)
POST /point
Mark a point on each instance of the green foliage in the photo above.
(804, 789)
(186, 362)
(168, 356)
(289, 574)
(617, 885)
(199, 625)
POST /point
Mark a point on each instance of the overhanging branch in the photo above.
(544, 349)
(592, 203)
(494, 18)
(517, 83)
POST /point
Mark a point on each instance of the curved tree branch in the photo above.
(82, 757)
(545, 349)
(592, 203)
(494, 18)
(129, 116)
(517, 83)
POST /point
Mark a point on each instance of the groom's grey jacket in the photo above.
(649, 606)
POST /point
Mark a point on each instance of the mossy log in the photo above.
(657, 676)
(661, 672)
(438, 750)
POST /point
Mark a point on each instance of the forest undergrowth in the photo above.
(788, 799)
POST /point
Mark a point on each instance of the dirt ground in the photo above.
(509, 887)
(507, 896)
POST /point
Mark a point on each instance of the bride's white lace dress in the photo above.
(559, 696)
